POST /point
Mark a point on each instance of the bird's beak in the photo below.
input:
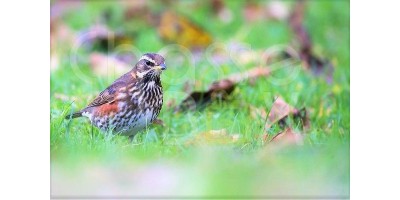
(161, 67)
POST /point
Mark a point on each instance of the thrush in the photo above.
(131, 102)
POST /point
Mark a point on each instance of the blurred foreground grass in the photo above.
(164, 161)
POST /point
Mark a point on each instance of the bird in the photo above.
(131, 102)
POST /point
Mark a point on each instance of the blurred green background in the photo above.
(93, 42)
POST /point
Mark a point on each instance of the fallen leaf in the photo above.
(181, 30)
(213, 137)
(287, 137)
(223, 12)
(138, 9)
(317, 65)
(220, 89)
(303, 115)
(99, 37)
(197, 100)
(280, 110)
(217, 6)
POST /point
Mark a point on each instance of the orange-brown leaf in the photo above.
(183, 31)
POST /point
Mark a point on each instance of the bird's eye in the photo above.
(148, 63)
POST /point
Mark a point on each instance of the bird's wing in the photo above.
(108, 95)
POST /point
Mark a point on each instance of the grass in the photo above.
(111, 165)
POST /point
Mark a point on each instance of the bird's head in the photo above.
(150, 66)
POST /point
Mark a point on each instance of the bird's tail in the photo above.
(74, 115)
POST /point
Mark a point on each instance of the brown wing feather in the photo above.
(108, 95)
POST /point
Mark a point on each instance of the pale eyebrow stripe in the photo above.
(147, 58)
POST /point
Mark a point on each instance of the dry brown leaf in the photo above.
(103, 38)
(280, 110)
(319, 66)
(303, 115)
(181, 30)
(223, 12)
(220, 89)
(288, 137)
(217, 5)
(213, 137)
(138, 9)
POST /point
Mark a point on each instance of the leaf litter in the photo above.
(317, 65)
